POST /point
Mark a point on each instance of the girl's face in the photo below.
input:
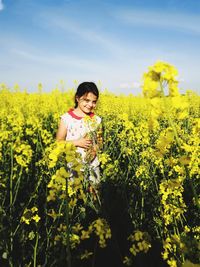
(87, 102)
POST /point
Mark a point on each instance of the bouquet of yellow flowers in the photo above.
(96, 144)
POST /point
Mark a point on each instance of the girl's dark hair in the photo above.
(85, 88)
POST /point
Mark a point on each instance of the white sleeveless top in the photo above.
(78, 127)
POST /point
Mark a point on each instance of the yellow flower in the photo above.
(34, 209)
(127, 261)
(172, 262)
(104, 158)
(86, 255)
(160, 74)
(36, 218)
(77, 228)
(31, 235)
(138, 235)
(133, 250)
(74, 240)
(85, 234)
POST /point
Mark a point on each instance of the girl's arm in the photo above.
(62, 133)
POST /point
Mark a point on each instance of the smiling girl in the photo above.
(79, 126)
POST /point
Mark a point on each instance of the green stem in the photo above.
(67, 224)
(142, 208)
(27, 204)
(196, 198)
(169, 118)
(155, 181)
(16, 189)
(35, 251)
(11, 209)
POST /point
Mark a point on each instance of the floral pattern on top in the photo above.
(78, 127)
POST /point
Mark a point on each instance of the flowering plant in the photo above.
(94, 133)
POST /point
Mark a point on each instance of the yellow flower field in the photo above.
(150, 183)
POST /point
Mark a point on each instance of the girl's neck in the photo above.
(77, 111)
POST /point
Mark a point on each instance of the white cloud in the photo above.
(130, 85)
(160, 19)
(1, 5)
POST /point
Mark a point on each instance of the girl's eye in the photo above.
(88, 100)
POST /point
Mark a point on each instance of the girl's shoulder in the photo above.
(67, 118)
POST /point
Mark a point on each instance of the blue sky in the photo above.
(109, 42)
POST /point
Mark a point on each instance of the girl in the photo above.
(80, 126)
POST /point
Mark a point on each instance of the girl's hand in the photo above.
(83, 142)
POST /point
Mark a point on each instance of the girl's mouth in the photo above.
(88, 108)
